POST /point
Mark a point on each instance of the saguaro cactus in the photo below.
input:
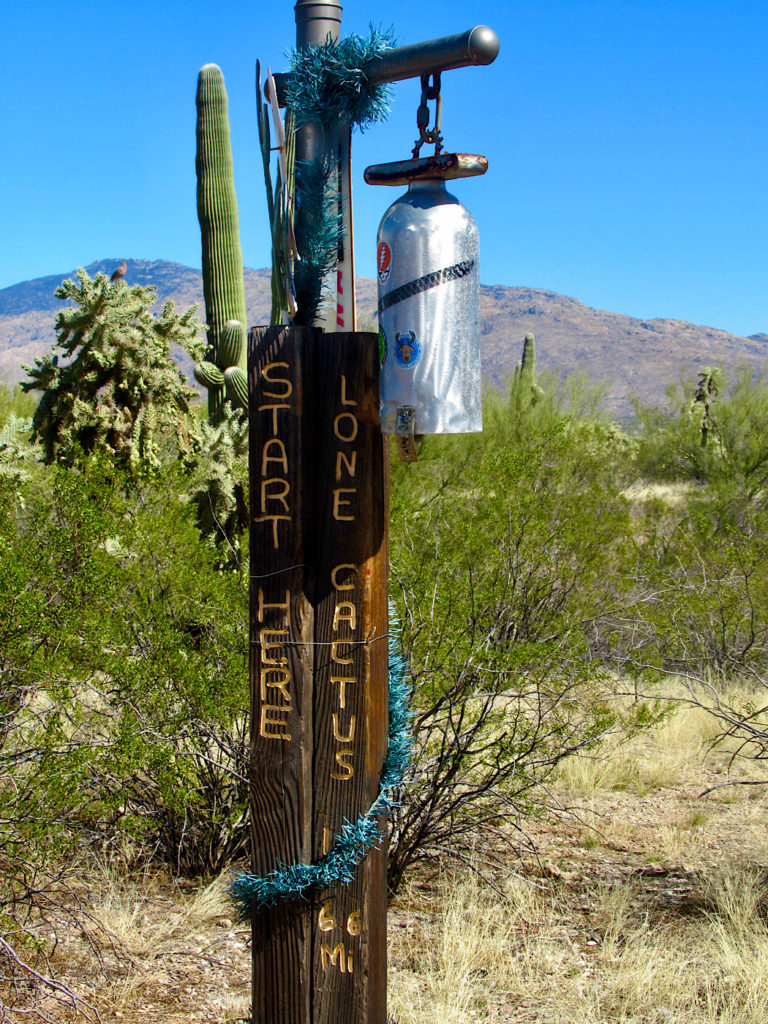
(525, 374)
(705, 395)
(223, 371)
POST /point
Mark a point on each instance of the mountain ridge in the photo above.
(635, 357)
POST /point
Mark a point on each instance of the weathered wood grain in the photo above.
(318, 664)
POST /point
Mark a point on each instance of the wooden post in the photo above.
(318, 665)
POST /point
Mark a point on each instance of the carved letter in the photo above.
(262, 605)
(281, 458)
(268, 644)
(337, 735)
(342, 681)
(276, 380)
(344, 399)
(335, 956)
(274, 409)
(344, 612)
(283, 489)
(326, 920)
(338, 501)
(274, 520)
(273, 723)
(350, 462)
(336, 571)
(335, 652)
(276, 679)
(344, 760)
(355, 922)
(348, 433)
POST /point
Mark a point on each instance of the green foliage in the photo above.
(116, 387)
(701, 600)
(223, 283)
(123, 674)
(507, 551)
(723, 443)
(218, 482)
(13, 402)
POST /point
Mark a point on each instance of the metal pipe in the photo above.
(478, 46)
(316, 23)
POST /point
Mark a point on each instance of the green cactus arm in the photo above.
(208, 374)
(223, 284)
(232, 344)
(237, 387)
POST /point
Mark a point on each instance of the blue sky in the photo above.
(627, 141)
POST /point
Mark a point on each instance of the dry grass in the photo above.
(601, 954)
(650, 907)
(647, 906)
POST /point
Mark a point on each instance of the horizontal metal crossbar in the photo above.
(477, 46)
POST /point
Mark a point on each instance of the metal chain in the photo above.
(432, 136)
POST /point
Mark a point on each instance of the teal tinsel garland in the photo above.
(328, 86)
(252, 893)
(330, 83)
(319, 232)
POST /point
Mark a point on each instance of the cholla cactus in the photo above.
(117, 387)
(17, 450)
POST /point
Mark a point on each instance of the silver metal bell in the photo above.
(429, 301)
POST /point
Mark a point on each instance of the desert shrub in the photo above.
(14, 402)
(123, 668)
(713, 431)
(507, 549)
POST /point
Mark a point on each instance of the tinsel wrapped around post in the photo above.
(295, 881)
(329, 86)
(223, 285)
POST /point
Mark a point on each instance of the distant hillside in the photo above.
(635, 357)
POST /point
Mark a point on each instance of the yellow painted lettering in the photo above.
(334, 577)
(274, 520)
(335, 652)
(349, 461)
(262, 605)
(338, 502)
(275, 679)
(343, 681)
(274, 409)
(344, 759)
(337, 733)
(276, 380)
(281, 458)
(344, 612)
(273, 722)
(344, 399)
(355, 922)
(335, 956)
(345, 427)
(271, 640)
(326, 920)
(280, 493)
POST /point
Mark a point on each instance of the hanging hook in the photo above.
(432, 136)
